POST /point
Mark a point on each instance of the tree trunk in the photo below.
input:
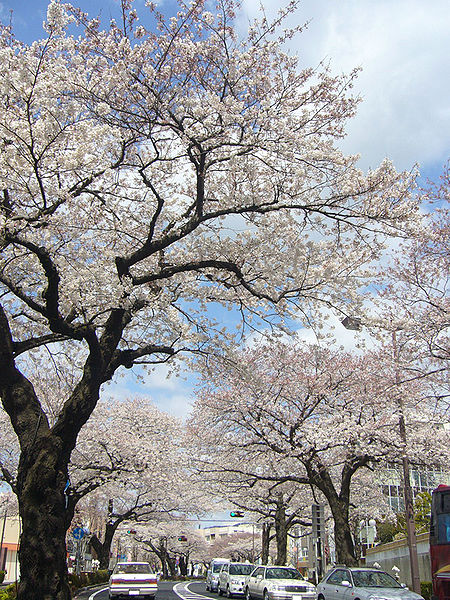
(161, 553)
(183, 564)
(345, 548)
(42, 477)
(171, 565)
(281, 533)
(103, 549)
(339, 505)
(45, 452)
(265, 543)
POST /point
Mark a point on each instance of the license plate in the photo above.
(134, 592)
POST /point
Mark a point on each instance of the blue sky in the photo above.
(403, 49)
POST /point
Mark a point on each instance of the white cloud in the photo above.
(402, 47)
(170, 393)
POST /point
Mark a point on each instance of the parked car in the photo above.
(357, 583)
(232, 578)
(278, 583)
(212, 575)
(134, 579)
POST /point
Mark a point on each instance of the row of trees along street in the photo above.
(321, 419)
(151, 179)
(127, 467)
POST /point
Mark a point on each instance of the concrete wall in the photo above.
(397, 553)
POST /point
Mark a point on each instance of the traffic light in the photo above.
(182, 538)
(133, 531)
(236, 513)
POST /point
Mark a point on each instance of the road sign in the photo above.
(78, 533)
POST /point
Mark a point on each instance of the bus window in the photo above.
(443, 533)
(440, 542)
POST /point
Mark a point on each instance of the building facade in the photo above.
(421, 479)
(9, 537)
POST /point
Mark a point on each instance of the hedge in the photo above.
(8, 593)
(85, 579)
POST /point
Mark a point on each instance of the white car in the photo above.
(278, 583)
(132, 579)
(232, 578)
(362, 583)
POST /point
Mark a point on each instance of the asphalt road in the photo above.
(167, 590)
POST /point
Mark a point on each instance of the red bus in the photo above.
(440, 542)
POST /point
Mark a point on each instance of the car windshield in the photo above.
(216, 568)
(277, 573)
(378, 579)
(241, 569)
(132, 568)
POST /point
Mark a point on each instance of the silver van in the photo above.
(212, 575)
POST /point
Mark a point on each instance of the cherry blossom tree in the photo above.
(128, 454)
(162, 539)
(285, 508)
(239, 547)
(8, 503)
(319, 415)
(148, 175)
(139, 504)
(413, 303)
(420, 279)
(276, 507)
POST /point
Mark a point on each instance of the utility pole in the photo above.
(318, 539)
(253, 542)
(355, 324)
(407, 490)
(3, 561)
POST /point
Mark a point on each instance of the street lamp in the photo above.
(355, 324)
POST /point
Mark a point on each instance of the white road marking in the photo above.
(182, 591)
(92, 596)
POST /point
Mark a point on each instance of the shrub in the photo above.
(426, 589)
(74, 580)
(100, 576)
(8, 593)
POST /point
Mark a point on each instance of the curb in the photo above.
(87, 588)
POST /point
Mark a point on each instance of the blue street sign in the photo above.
(78, 533)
